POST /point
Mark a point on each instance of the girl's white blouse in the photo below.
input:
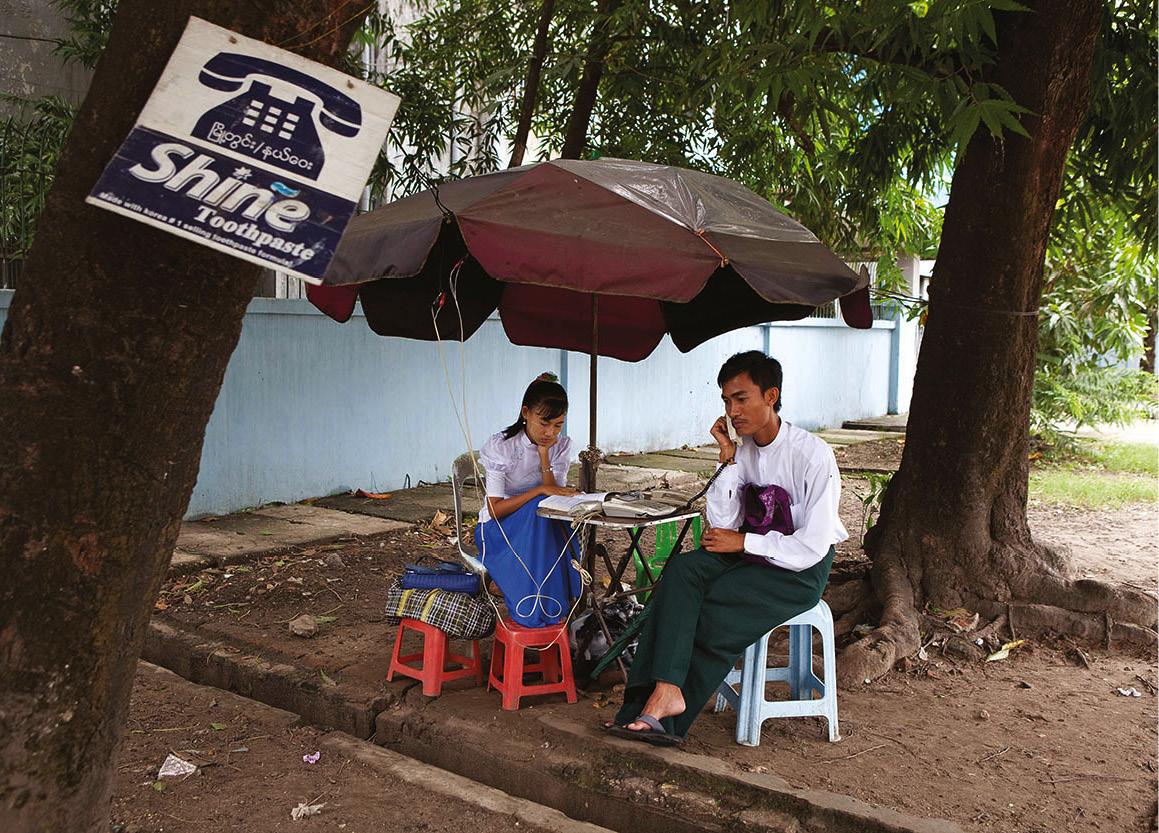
(512, 466)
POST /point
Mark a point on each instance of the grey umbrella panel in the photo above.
(665, 230)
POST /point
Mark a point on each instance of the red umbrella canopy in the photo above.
(663, 249)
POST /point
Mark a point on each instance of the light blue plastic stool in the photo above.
(752, 709)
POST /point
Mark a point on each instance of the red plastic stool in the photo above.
(554, 663)
(436, 652)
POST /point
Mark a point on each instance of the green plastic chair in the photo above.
(666, 535)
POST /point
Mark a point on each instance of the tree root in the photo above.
(1124, 604)
(868, 611)
(876, 654)
(1040, 601)
(1099, 626)
(895, 638)
(847, 595)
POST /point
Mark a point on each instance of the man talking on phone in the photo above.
(765, 558)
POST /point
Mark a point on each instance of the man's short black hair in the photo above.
(765, 372)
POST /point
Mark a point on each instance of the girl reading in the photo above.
(524, 553)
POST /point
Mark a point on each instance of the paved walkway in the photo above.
(242, 536)
(213, 542)
(1142, 431)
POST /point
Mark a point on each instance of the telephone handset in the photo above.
(586, 507)
(273, 130)
(732, 435)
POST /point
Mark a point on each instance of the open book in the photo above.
(612, 504)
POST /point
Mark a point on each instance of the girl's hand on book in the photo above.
(557, 490)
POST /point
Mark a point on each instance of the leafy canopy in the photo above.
(847, 114)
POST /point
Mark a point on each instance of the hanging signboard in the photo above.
(249, 149)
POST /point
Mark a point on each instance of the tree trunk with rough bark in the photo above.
(953, 530)
(531, 87)
(1147, 362)
(576, 136)
(110, 361)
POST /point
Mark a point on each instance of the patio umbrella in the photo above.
(602, 256)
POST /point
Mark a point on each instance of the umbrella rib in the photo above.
(723, 259)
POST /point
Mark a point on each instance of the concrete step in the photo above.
(562, 763)
(893, 423)
(434, 785)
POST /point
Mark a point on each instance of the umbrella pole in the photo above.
(591, 456)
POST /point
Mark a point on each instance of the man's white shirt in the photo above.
(804, 466)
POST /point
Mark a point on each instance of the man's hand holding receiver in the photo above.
(722, 540)
(719, 433)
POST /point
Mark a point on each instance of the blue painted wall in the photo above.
(310, 407)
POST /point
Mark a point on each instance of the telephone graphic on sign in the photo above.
(270, 129)
(250, 150)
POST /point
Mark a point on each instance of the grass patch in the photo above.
(1091, 489)
(1097, 474)
(1129, 458)
(1134, 458)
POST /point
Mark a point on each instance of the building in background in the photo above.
(29, 68)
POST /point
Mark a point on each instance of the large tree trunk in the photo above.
(531, 86)
(113, 353)
(953, 529)
(576, 135)
(1147, 362)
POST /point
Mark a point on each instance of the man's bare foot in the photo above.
(666, 701)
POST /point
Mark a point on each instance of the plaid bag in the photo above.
(456, 614)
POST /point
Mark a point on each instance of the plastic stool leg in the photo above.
(478, 661)
(434, 660)
(829, 662)
(800, 662)
(549, 662)
(565, 670)
(752, 693)
(512, 687)
(498, 649)
(394, 663)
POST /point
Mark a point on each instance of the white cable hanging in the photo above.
(537, 597)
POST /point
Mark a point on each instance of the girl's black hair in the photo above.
(542, 396)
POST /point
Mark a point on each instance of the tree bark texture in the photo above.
(531, 87)
(1147, 362)
(111, 359)
(953, 529)
(576, 136)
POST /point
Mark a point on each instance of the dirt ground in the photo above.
(1038, 741)
(253, 769)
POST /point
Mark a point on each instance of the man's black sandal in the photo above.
(654, 734)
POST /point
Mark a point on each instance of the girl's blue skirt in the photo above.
(526, 558)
